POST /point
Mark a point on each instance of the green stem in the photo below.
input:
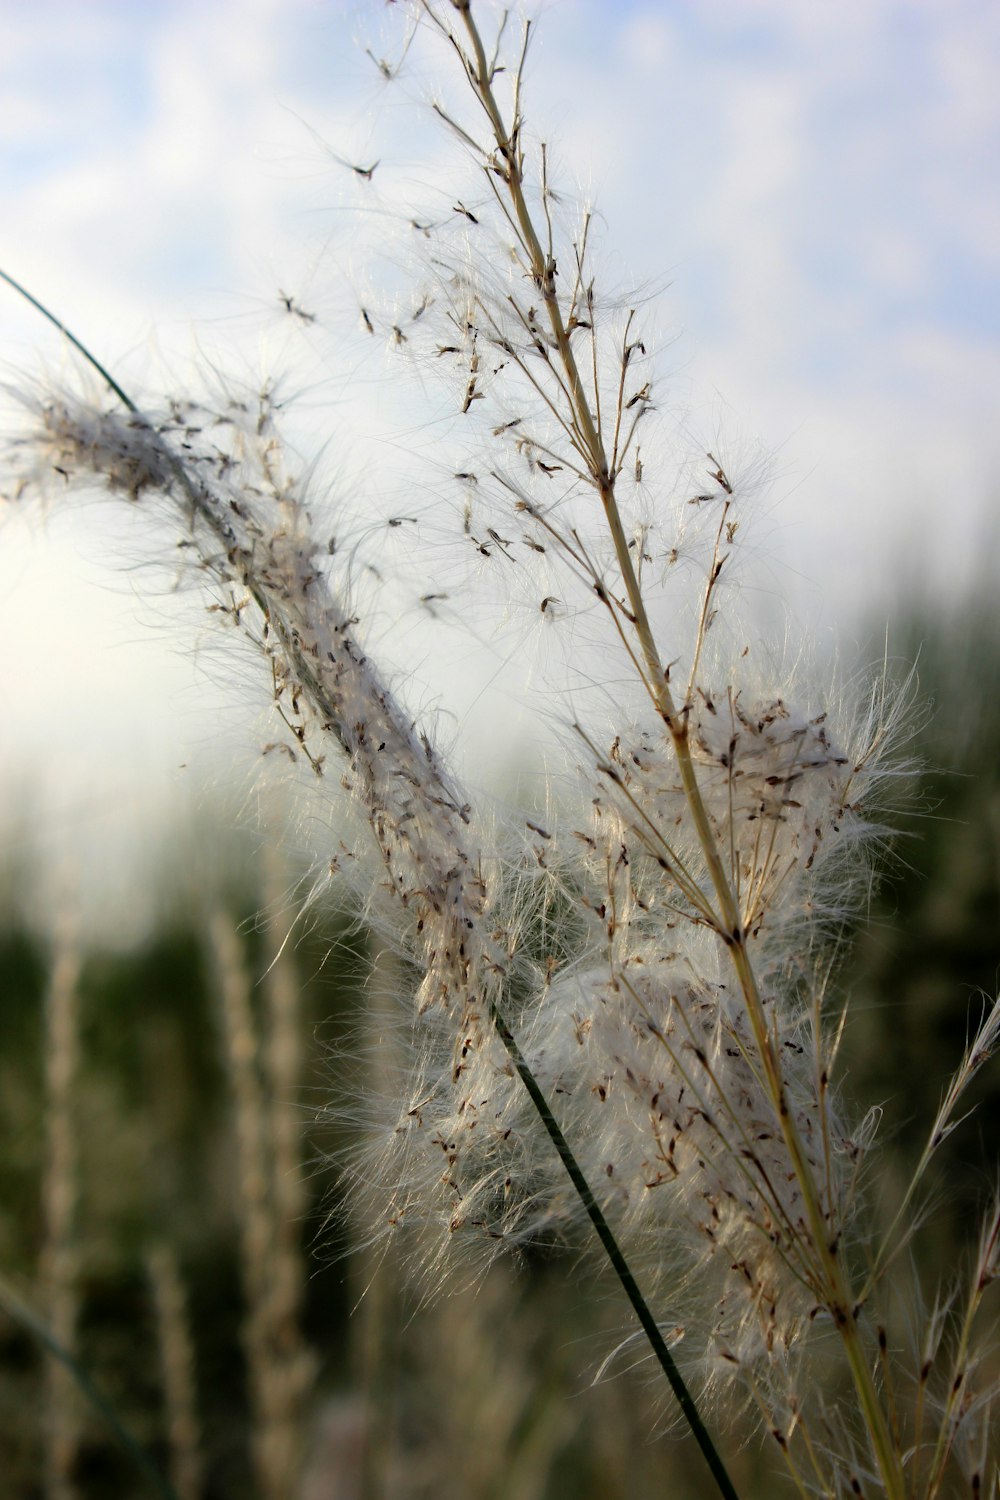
(67, 333)
(618, 1262)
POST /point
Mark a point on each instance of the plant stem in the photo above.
(729, 927)
(618, 1262)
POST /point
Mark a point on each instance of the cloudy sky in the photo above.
(813, 186)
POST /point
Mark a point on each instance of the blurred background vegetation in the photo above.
(165, 1187)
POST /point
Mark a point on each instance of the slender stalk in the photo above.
(617, 1259)
(177, 1367)
(60, 1254)
(984, 1272)
(293, 1364)
(729, 926)
(278, 1366)
(67, 333)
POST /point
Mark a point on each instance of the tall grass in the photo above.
(620, 1011)
(60, 1261)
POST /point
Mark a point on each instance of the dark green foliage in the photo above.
(23, 977)
(928, 960)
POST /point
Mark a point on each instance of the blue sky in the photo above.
(814, 186)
